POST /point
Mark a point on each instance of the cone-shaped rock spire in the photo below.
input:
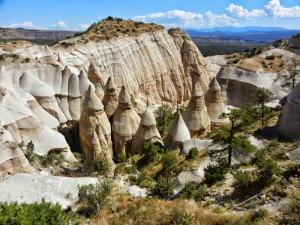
(195, 115)
(147, 131)
(110, 99)
(214, 101)
(178, 133)
(94, 129)
(125, 123)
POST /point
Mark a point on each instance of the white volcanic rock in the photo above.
(178, 133)
(125, 123)
(195, 116)
(31, 188)
(214, 101)
(12, 159)
(110, 99)
(147, 132)
(94, 130)
(288, 124)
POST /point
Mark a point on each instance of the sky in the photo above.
(80, 14)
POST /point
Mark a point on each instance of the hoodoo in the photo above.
(195, 115)
(94, 129)
(110, 99)
(214, 101)
(288, 124)
(178, 133)
(147, 132)
(125, 123)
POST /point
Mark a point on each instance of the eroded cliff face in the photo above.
(47, 85)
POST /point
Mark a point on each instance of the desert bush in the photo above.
(168, 160)
(193, 191)
(242, 181)
(101, 165)
(270, 57)
(181, 217)
(216, 172)
(267, 169)
(29, 152)
(163, 188)
(93, 197)
(193, 153)
(38, 213)
(52, 159)
(291, 212)
(257, 216)
(151, 152)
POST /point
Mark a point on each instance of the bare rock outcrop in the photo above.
(110, 99)
(12, 159)
(178, 133)
(147, 132)
(195, 115)
(288, 124)
(94, 130)
(214, 101)
(125, 123)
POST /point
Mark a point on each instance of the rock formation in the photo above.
(94, 130)
(178, 133)
(195, 115)
(125, 123)
(110, 99)
(214, 101)
(288, 124)
(147, 131)
(12, 159)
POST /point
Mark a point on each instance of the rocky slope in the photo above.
(43, 88)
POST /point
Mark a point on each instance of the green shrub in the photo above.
(216, 172)
(29, 152)
(267, 169)
(93, 197)
(181, 217)
(270, 57)
(242, 181)
(193, 153)
(38, 213)
(163, 188)
(168, 160)
(52, 159)
(151, 152)
(101, 165)
(193, 191)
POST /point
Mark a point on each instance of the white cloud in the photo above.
(61, 24)
(241, 12)
(82, 26)
(186, 19)
(275, 9)
(27, 24)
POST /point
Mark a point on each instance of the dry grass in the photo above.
(107, 29)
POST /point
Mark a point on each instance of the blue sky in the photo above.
(79, 14)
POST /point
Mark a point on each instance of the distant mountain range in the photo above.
(247, 34)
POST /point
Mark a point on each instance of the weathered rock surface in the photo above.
(195, 115)
(125, 123)
(94, 130)
(31, 188)
(147, 132)
(178, 133)
(110, 99)
(288, 124)
(12, 159)
(214, 101)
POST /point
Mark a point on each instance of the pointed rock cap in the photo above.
(148, 118)
(61, 60)
(197, 90)
(92, 101)
(110, 84)
(92, 67)
(214, 85)
(124, 96)
(67, 71)
(179, 131)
